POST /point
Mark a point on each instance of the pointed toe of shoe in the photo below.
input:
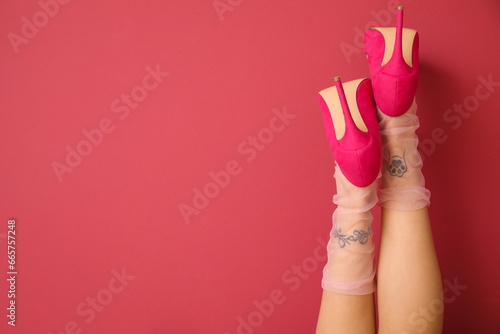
(361, 166)
(394, 95)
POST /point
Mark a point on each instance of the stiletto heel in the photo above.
(357, 138)
(394, 72)
(352, 129)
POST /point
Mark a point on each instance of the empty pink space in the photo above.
(168, 171)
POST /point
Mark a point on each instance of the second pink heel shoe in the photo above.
(393, 59)
(352, 129)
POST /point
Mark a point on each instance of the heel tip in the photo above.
(336, 79)
(400, 7)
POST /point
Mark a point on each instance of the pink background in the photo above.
(120, 206)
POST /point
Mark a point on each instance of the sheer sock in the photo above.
(351, 268)
(403, 184)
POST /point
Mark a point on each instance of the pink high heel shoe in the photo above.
(394, 72)
(352, 129)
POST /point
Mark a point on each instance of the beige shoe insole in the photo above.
(332, 100)
(390, 39)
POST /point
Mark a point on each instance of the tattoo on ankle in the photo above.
(360, 236)
(397, 165)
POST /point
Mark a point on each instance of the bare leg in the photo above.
(341, 313)
(409, 281)
(347, 304)
(348, 277)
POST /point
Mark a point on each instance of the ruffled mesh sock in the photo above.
(351, 268)
(403, 184)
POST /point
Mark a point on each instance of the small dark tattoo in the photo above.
(360, 236)
(397, 165)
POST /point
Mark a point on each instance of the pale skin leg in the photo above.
(409, 280)
(409, 286)
(346, 314)
(341, 313)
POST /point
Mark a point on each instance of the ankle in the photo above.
(353, 199)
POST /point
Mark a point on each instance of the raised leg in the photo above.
(348, 278)
(348, 314)
(409, 281)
